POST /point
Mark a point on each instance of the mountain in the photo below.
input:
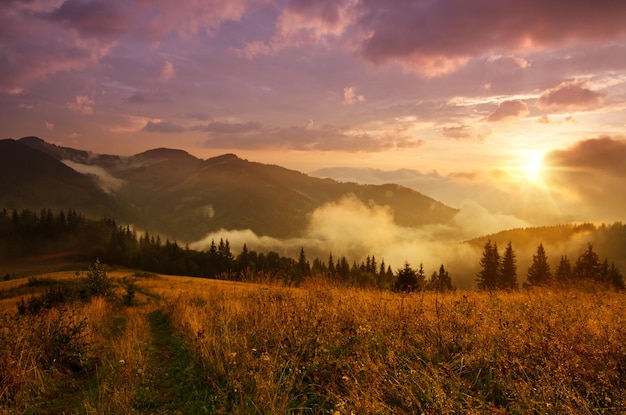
(175, 194)
(33, 179)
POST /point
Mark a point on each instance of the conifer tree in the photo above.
(563, 272)
(331, 266)
(587, 265)
(508, 269)
(304, 268)
(406, 279)
(539, 271)
(421, 278)
(488, 276)
(615, 278)
(440, 281)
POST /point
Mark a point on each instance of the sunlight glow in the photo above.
(532, 168)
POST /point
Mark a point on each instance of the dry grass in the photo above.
(253, 348)
(321, 350)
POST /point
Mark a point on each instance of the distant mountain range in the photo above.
(177, 195)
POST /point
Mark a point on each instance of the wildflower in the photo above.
(200, 333)
(122, 362)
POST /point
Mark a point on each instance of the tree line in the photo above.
(27, 233)
(150, 253)
(500, 271)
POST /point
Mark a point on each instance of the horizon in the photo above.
(513, 108)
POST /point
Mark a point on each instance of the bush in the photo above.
(62, 341)
(97, 283)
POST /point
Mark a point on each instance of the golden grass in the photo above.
(266, 349)
(322, 349)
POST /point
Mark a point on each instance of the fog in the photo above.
(356, 230)
(107, 182)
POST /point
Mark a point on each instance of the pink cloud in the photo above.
(351, 97)
(437, 37)
(313, 21)
(167, 72)
(82, 104)
(508, 110)
(187, 18)
(571, 95)
(305, 138)
(166, 127)
(305, 22)
(465, 132)
(48, 37)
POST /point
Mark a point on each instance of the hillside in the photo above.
(568, 239)
(173, 193)
(160, 344)
(30, 178)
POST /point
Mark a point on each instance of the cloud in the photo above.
(219, 127)
(198, 116)
(351, 228)
(304, 138)
(304, 23)
(149, 97)
(438, 37)
(589, 177)
(92, 18)
(48, 37)
(350, 96)
(570, 95)
(465, 132)
(82, 104)
(603, 154)
(163, 127)
(167, 72)
(107, 182)
(509, 109)
(41, 46)
(313, 21)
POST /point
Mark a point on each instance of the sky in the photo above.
(516, 107)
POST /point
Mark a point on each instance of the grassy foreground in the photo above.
(189, 346)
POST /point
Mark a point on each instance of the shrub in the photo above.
(97, 283)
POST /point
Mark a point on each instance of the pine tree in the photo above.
(615, 277)
(421, 278)
(488, 276)
(508, 269)
(440, 281)
(563, 273)
(406, 279)
(331, 266)
(587, 265)
(304, 269)
(539, 271)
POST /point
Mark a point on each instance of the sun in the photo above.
(533, 167)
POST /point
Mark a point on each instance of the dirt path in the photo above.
(173, 383)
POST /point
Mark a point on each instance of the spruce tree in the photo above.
(440, 281)
(488, 276)
(539, 272)
(563, 273)
(587, 265)
(406, 280)
(508, 269)
(615, 277)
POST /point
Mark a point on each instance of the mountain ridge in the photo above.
(171, 192)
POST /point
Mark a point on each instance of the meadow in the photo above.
(178, 345)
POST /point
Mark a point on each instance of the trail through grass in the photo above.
(172, 382)
(193, 346)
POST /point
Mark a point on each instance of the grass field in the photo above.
(185, 346)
